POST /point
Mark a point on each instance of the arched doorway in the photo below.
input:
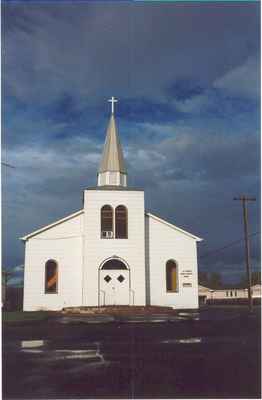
(114, 282)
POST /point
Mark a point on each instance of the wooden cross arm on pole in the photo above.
(245, 198)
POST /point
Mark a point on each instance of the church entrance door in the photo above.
(114, 283)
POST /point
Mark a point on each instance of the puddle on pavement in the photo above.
(183, 341)
(79, 354)
(188, 314)
(31, 344)
(206, 340)
(86, 320)
(32, 351)
(145, 320)
(92, 355)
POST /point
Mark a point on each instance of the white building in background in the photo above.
(112, 252)
(207, 294)
(256, 291)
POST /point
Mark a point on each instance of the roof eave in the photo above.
(196, 238)
(46, 227)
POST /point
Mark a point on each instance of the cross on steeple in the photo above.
(112, 101)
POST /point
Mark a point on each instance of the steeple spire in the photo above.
(112, 171)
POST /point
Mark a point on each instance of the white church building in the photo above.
(111, 252)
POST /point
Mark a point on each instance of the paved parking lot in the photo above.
(211, 354)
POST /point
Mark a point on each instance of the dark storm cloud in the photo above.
(188, 81)
(213, 157)
(86, 50)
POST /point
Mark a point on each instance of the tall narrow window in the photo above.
(51, 276)
(121, 222)
(106, 222)
(171, 276)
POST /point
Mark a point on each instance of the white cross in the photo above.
(112, 100)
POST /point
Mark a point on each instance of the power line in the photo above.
(7, 165)
(228, 245)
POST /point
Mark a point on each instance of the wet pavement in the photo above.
(201, 355)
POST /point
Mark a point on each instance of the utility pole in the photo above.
(244, 200)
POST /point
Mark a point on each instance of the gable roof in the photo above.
(68, 217)
(198, 239)
(46, 227)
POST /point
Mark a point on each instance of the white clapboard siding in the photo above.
(75, 243)
(97, 250)
(163, 243)
(62, 242)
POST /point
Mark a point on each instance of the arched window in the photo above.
(171, 276)
(107, 222)
(51, 276)
(121, 222)
(114, 263)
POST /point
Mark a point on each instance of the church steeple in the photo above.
(112, 171)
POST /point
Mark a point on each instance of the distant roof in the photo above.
(112, 158)
(257, 285)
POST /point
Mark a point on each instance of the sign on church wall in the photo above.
(187, 274)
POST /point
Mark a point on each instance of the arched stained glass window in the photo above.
(121, 222)
(106, 222)
(51, 276)
(171, 276)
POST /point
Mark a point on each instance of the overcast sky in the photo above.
(187, 80)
